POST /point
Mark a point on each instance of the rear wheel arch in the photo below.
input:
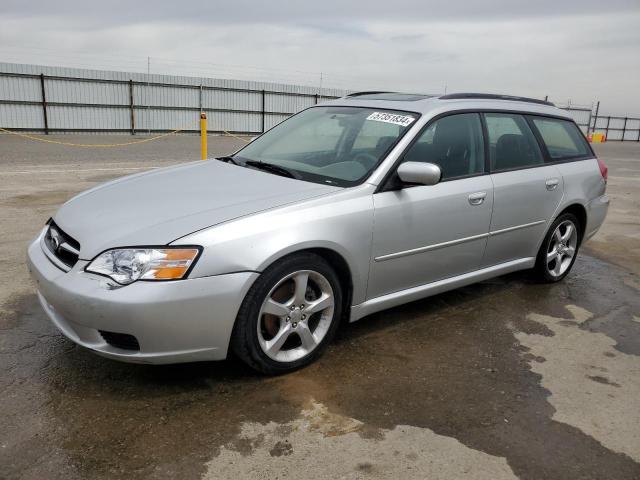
(581, 214)
(559, 249)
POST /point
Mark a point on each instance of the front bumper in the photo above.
(178, 321)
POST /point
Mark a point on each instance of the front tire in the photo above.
(559, 249)
(289, 315)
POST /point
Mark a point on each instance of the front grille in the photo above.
(63, 246)
(120, 340)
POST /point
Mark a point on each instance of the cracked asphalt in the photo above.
(503, 379)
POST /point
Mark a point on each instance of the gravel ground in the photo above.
(503, 379)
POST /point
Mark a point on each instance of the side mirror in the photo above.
(419, 173)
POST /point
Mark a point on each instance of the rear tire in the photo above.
(559, 249)
(289, 315)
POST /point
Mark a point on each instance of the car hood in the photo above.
(157, 207)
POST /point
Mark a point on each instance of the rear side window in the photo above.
(454, 143)
(562, 138)
(512, 144)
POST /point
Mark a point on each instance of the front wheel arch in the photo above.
(343, 271)
(339, 264)
(245, 342)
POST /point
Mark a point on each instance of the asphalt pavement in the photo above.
(504, 379)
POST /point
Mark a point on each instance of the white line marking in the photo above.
(77, 171)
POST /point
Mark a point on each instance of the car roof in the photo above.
(436, 104)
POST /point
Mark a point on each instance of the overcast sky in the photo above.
(581, 51)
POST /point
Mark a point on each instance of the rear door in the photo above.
(527, 191)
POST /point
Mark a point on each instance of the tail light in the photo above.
(604, 171)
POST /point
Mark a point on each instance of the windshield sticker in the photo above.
(402, 120)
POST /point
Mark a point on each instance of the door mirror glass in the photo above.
(419, 173)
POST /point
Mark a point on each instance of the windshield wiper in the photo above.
(271, 168)
(268, 167)
(228, 159)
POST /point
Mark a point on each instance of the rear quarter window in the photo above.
(562, 138)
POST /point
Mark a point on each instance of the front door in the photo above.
(427, 233)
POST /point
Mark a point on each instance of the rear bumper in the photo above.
(181, 321)
(596, 212)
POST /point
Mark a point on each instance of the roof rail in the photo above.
(491, 96)
(372, 92)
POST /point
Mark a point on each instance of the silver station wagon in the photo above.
(345, 209)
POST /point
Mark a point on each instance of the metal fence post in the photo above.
(316, 97)
(44, 105)
(263, 110)
(624, 129)
(606, 130)
(131, 109)
(595, 118)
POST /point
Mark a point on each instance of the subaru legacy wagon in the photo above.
(347, 208)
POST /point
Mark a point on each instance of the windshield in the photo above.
(331, 145)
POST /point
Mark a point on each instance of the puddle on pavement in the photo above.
(583, 370)
(40, 199)
(101, 178)
(450, 364)
(405, 452)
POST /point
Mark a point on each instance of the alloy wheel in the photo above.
(562, 248)
(295, 316)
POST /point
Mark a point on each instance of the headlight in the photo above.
(126, 265)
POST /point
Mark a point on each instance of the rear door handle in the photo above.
(477, 198)
(552, 183)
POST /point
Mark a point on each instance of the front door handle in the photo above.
(552, 183)
(477, 198)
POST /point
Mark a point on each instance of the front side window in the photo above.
(454, 143)
(562, 138)
(331, 145)
(512, 144)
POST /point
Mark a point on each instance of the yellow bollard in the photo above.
(203, 136)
